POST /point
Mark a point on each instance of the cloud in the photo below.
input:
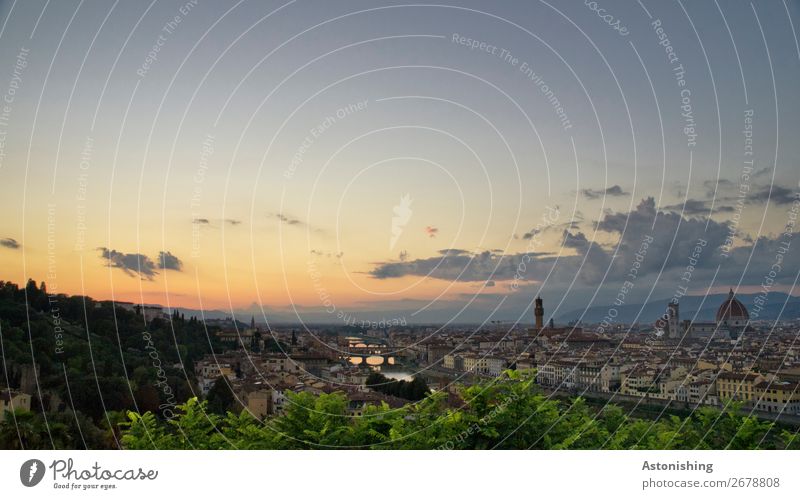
(168, 261)
(777, 194)
(689, 207)
(576, 241)
(453, 252)
(431, 231)
(8, 242)
(328, 254)
(591, 273)
(714, 188)
(460, 266)
(614, 191)
(490, 284)
(130, 263)
(296, 222)
(672, 237)
(571, 225)
(762, 172)
(206, 221)
(287, 220)
(724, 190)
(692, 207)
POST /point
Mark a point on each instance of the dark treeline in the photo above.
(413, 390)
(85, 363)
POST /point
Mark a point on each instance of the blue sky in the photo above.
(208, 153)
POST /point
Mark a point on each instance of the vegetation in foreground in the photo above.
(506, 413)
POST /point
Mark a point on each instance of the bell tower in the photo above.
(538, 311)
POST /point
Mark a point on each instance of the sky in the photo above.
(412, 162)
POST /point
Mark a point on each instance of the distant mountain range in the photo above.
(699, 308)
(696, 307)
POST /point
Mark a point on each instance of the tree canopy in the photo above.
(509, 412)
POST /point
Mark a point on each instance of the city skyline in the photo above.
(375, 225)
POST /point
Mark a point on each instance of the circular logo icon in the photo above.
(31, 472)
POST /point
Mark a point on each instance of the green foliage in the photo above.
(62, 430)
(93, 360)
(221, 398)
(509, 412)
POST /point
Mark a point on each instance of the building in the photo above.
(673, 320)
(538, 311)
(777, 396)
(669, 324)
(610, 377)
(556, 374)
(148, 312)
(453, 361)
(484, 364)
(281, 363)
(737, 386)
(259, 402)
(12, 400)
(208, 371)
(732, 316)
(233, 338)
(435, 352)
(700, 329)
(639, 381)
(732, 319)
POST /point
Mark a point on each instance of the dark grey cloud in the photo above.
(671, 239)
(571, 225)
(777, 194)
(614, 191)
(453, 252)
(690, 207)
(201, 221)
(131, 263)
(8, 242)
(576, 241)
(168, 261)
(461, 266)
(727, 191)
(232, 221)
(693, 207)
(674, 235)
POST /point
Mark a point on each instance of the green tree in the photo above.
(221, 398)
